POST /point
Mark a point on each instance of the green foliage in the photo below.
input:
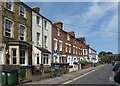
(102, 52)
(117, 58)
(109, 53)
(82, 62)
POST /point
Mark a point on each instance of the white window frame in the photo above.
(23, 34)
(23, 12)
(8, 27)
(60, 45)
(23, 57)
(76, 50)
(13, 57)
(9, 5)
(68, 37)
(85, 51)
(45, 24)
(55, 45)
(69, 48)
(38, 20)
(58, 32)
(46, 57)
(38, 38)
(66, 47)
(46, 39)
(37, 60)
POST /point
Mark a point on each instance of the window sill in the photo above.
(38, 25)
(23, 17)
(8, 37)
(10, 10)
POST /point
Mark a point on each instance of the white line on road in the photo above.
(80, 76)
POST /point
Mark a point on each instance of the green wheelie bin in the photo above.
(9, 77)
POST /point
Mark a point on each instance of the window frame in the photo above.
(38, 38)
(13, 57)
(11, 28)
(9, 3)
(22, 34)
(22, 14)
(23, 57)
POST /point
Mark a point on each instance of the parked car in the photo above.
(116, 65)
(117, 76)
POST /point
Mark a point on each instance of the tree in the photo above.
(109, 53)
(118, 58)
(102, 52)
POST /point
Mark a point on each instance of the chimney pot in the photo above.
(59, 24)
(36, 9)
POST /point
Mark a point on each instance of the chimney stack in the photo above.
(36, 9)
(59, 24)
(72, 33)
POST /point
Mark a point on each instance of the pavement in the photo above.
(67, 78)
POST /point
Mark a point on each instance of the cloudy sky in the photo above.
(96, 21)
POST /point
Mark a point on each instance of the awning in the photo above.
(43, 50)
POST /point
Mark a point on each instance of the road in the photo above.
(103, 75)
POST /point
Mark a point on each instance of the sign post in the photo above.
(55, 55)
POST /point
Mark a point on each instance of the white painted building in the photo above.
(42, 39)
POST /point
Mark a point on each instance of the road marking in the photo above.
(111, 78)
(80, 76)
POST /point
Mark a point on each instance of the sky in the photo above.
(96, 21)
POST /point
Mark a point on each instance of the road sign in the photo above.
(55, 51)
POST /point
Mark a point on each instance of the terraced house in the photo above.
(42, 38)
(16, 33)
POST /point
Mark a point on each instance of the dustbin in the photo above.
(9, 76)
(23, 72)
(4, 78)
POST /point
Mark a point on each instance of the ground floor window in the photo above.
(45, 58)
(22, 56)
(37, 58)
(60, 59)
(14, 56)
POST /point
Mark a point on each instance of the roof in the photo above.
(43, 50)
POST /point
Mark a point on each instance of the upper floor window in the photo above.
(73, 50)
(66, 48)
(58, 32)
(69, 49)
(22, 32)
(55, 44)
(22, 11)
(9, 4)
(8, 28)
(76, 50)
(85, 51)
(45, 24)
(45, 41)
(38, 20)
(68, 37)
(60, 46)
(38, 38)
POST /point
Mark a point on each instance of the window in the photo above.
(45, 24)
(74, 59)
(22, 33)
(55, 44)
(68, 37)
(69, 60)
(14, 56)
(38, 38)
(9, 4)
(38, 20)
(66, 48)
(8, 28)
(69, 49)
(22, 57)
(58, 32)
(60, 59)
(45, 41)
(60, 46)
(76, 50)
(22, 11)
(37, 58)
(85, 51)
(45, 58)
